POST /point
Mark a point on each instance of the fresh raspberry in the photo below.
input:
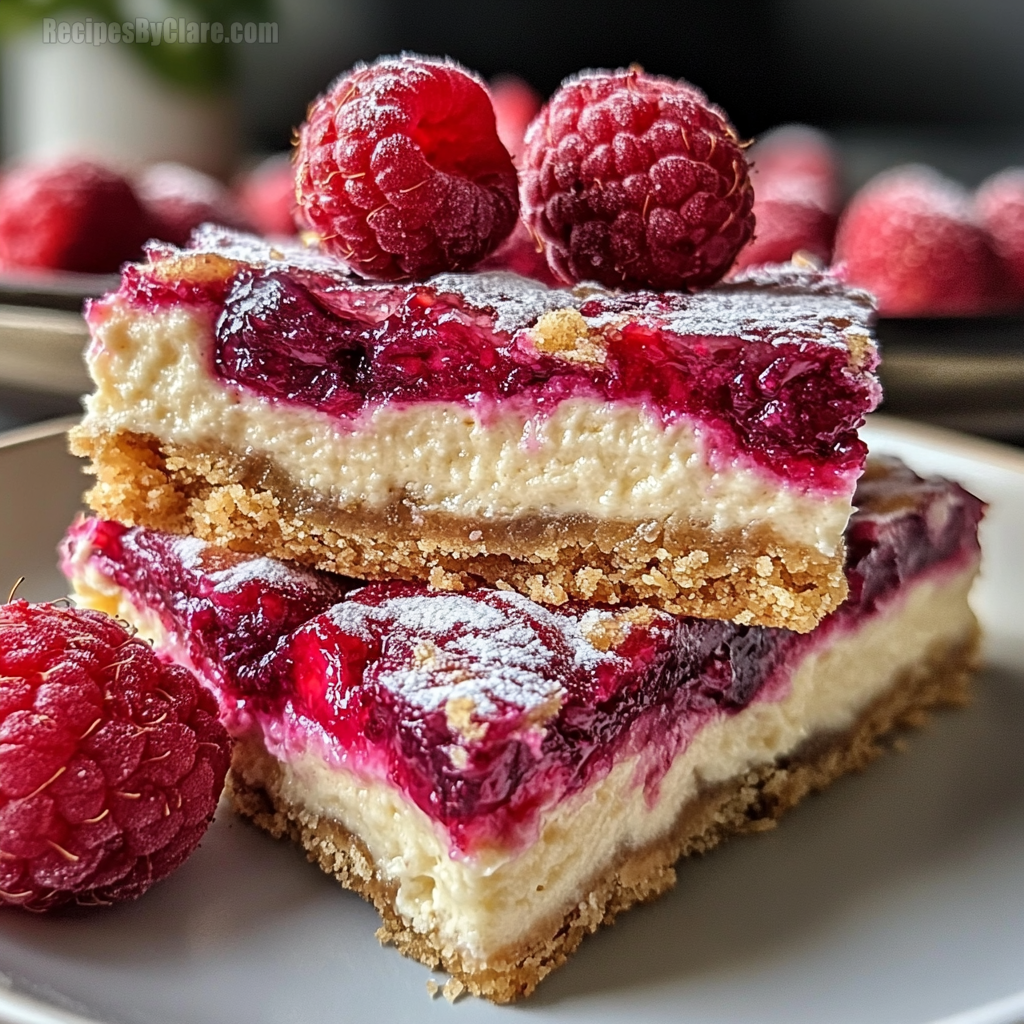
(521, 254)
(911, 237)
(516, 104)
(111, 762)
(1000, 205)
(636, 181)
(785, 228)
(69, 215)
(798, 164)
(401, 172)
(179, 199)
(267, 196)
(795, 174)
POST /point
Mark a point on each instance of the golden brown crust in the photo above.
(750, 803)
(749, 576)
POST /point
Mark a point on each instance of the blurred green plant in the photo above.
(197, 66)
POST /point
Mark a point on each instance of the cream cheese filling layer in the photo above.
(602, 459)
(492, 901)
(497, 898)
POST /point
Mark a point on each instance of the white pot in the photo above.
(103, 101)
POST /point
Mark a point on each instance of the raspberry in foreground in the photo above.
(910, 236)
(1000, 205)
(69, 215)
(400, 170)
(636, 181)
(111, 762)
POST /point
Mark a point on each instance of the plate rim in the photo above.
(18, 1007)
(37, 431)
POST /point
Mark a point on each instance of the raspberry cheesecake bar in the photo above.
(500, 777)
(695, 452)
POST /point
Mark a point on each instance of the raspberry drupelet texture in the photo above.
(69, 215)
(636, 181)
(111, 762)
(400, 170)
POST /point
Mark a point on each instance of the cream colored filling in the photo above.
(607, 460)
(496, 898)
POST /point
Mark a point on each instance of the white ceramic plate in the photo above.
(895, 898)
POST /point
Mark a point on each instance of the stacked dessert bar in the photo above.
(510, 595)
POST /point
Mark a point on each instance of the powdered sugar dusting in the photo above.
(780, 303)
(497, 649)
(259, 252)
(516, 302)
(230, 572)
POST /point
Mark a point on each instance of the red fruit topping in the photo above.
(70, 215)
(1000, 206)
(636, 181)
(515, 106)
(910, 236)
(267, 196)
(179, 199)
(111, 762)
(401, 172)
(358, 669)
(521, 254)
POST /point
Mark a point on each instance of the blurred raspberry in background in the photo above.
(179, 199)
(796, 177)
(266, 195)
(73, 215)
(912, 238)
(1000, 207)
(516, 104)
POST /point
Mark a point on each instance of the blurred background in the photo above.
(939, 82)
(895, 80)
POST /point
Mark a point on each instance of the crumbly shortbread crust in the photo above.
(748, 802)
(750, 575)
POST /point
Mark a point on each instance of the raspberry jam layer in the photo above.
(483, 707)
(776, 368)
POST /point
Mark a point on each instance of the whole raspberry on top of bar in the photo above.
(636, 181)
(111, 761)
(400, 170)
